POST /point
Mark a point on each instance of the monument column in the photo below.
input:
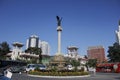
(59, 29)
(58, 60)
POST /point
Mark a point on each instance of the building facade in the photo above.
(34, 41)
(45, 48)
(18, 54)
(72, 51)
(96, 52)
(118, 34)
(16, 51)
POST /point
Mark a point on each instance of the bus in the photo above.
(108, 67)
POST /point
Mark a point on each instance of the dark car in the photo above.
(17, 69)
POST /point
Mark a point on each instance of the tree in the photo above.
(114, 53)
(85, 56)
(92, 62)
(35, 50)
(75, 63)
(4, 49)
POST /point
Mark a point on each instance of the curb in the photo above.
(58, 76)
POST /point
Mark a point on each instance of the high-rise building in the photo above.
(45, 48)
(96, 52)
(33, 41)
(118, 34)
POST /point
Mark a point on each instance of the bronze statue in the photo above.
(58, 20)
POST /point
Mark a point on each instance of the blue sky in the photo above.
(85, 22)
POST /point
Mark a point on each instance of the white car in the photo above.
(32, 67)
(41, 66)
(70, 67)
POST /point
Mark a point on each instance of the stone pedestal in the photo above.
(58, 62)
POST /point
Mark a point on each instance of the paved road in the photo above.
(98, 76)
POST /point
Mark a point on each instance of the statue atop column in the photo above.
(59, 20)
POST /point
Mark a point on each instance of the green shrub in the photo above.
(47, 73)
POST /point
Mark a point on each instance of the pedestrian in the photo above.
(94, 71)
(7, 73)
